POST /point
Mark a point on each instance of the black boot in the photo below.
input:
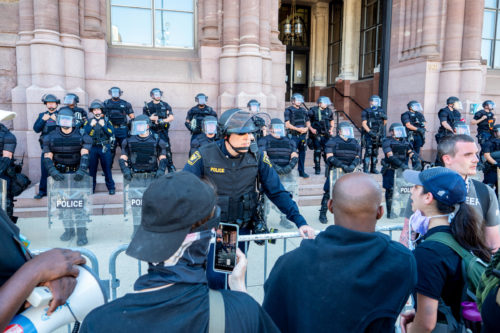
(366, 164)
(324, 207)
(317, 162)
(170, 162)
(373, 168)
(388, 203)
(81, 236)
(68, 234)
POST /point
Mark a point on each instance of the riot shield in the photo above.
(3, 194)
(498, 182)
(69, 203)
(401, 194)
(335, 174)
(132, 196)
(291, 184)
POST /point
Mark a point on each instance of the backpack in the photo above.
(490, 279)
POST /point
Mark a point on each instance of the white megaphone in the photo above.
(88, 295)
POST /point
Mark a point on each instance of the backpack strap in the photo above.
(447, 239)
(217, 318)
(483, 196)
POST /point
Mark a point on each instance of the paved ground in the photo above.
(107, 233)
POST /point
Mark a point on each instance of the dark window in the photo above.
(335, 40)
(371, 37)
(491, 33)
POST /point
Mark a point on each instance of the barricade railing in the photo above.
(115, 281)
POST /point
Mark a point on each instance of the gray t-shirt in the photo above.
(492, 212)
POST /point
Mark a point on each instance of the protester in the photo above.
(20, 273)
(350, 278)
(439, 202)
(174, 237)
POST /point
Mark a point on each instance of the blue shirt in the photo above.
(269, 179)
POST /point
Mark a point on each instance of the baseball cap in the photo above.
(446, 186)
(170, 206)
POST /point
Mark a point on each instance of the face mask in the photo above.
(420, 223)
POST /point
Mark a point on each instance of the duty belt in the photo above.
(66, 168)
(143, 170)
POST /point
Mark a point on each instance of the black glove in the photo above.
(260, 227)
(127, 173)
(82, 170)
(333, 162)
(417, 164)
(287, 169)
(4, 164)
(162, 166)
(293, 162)
(396, 163)
(51, 170)
(350, 168)
(372, 134)
(344, 167)
(421, 131)
(188, 126)
(278, 169)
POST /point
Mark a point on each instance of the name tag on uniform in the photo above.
(217, 170)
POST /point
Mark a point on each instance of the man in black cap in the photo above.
(174, 237)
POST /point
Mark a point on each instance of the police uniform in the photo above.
(200, 141)
(143, 153)
(117, 111)
(375, 120)
(235, 179)
(44, 127)
(196, 114)
(297, 116)
(491, 146)
(399, 160)
(320, 120)
(484, 128)
(452, 117)
(416, 138)
(8, 143)
(79, 114)
(101, 150)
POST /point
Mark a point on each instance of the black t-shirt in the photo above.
(416, 118)
(486, 124)
(179, 308)
(11, 255)
(439, 271)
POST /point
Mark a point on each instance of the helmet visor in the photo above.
(347, 132)
(157, 93)
(491, 105)
(201, 100)
(210, 127)
(324, 100)
(139, 127)
(254, 107)
(69, 100)
(458, 105)
(375, 101)
(241, 122)
(115, 92)
(278, 130)
(463, 129)
(298, 99)
(399, 132)
(416, 107)
(65, 121)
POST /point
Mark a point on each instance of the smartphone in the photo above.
(226, 242)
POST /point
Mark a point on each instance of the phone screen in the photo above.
(226, 242)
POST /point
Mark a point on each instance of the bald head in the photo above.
(355, 202)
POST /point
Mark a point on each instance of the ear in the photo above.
(380, 212)
(428, 198)
(330, 205)
(446, 159)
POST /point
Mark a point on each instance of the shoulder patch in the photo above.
(195, 157)
(266, 160)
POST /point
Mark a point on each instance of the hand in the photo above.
(93, 122)
(372, 134)
(154, 118)
(57, 175)
(56, 263)
(127, 175)
(61, 289)
(406, 320)
(302, 130)
(307, 232)
(53, 117)
(46, 117)
(79, 175)
(236, 279)
(101, 122)
(314, 131)
(483, 118)
(331, 132)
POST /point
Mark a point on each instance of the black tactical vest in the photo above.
(346, 151)
(400, 149)
(198, 115)
(486, 124)
(3, 132)
(375, 118)
(298, 117)
(66, 148)
(116, 112)
(320, 119)
(235, 180)
(278, 150)
(143, 153)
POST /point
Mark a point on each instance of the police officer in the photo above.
(8, 145)
(321, 129)
(297, 123)
(44, 124)
(254, 107)
(414, 121)
(71, 102)
(373, 119)
(397, 151)
(117, 110)
(66, 150)
(236, 172)
(449, 116)
(491, 150)
(282, 152)
(342, 151)
(209, 134)
(161, 115)
(100, 130)
(485, 121)
(195, 115)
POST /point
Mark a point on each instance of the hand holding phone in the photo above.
(236, 280)
(226, 243)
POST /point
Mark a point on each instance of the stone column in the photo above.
(265, 51)
(413, 28)
(431, 28)
(274, 15)
(210, 25)
(319, 47)
(351, 40)
(407, 29)
(92, 17)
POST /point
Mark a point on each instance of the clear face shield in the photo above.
(115, 93)
(458, 106)
(298, 99)
(375, 102)
(462, 129)
(491, 105)
(157, 94)
(416, 107)
(202, 100)
(324, 102)
(139, 127)
(65, 121)
(254, 107)
(210, 127)
(399, 132)
(69, 100)
(278, 130)
(347, 132)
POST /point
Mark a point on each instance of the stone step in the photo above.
(310, 190)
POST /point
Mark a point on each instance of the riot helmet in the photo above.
(375, 102)
(47, 98)
(415, 106)
(65, 118)
(452, 100)
(210, 125)
(96, 104)
(398, 130)
(140, 125)
(297, 98)
(236, 121)
(201, 99)
(324, 100)
(346, 130)
(253, 105)
(115, 92)
(490, 104)
(278, 127)
(71, 99)
(462, 128)
(156, 93)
